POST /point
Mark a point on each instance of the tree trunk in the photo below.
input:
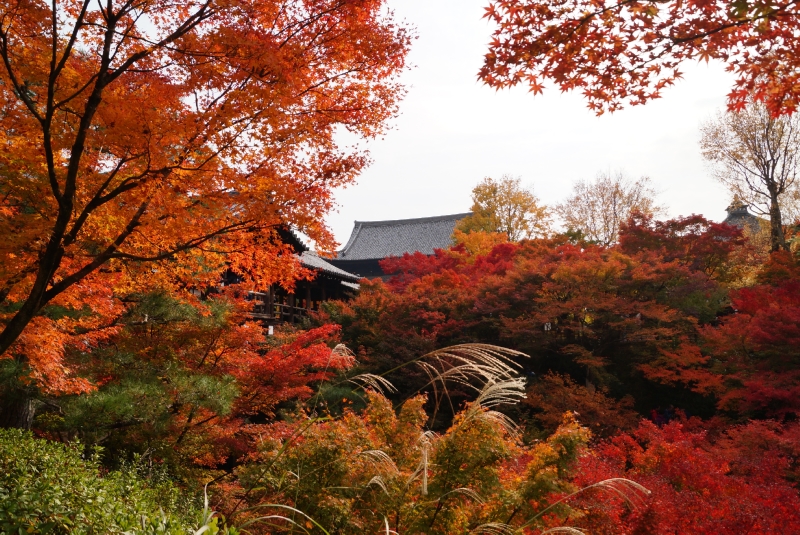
(16, 410)
(777, 238)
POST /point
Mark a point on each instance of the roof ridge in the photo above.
(428, 219)
(352, 240)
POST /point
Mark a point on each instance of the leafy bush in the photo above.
(48, 487)
(379, 471)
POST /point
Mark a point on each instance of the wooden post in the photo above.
(291, 308)
(308, 296)
(271, 302)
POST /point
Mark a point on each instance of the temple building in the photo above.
(754, 228)
(337, 278)
(373, 241)
(739, 216)
(276, 305)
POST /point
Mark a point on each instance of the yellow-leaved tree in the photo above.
(506, 206)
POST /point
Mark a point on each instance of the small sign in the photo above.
(270, 330)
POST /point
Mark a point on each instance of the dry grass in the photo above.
(491, 373)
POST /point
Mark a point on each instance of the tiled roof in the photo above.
(290, 237)
(739, 216)
(381, 239)
(310, 259)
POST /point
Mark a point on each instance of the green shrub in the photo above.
(48, 487)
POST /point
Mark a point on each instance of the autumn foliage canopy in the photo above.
(519, 381)
(620, 53)
(680, 321)
(151, 144)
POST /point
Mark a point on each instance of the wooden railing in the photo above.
(276, 312)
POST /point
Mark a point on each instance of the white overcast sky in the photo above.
(453, 131)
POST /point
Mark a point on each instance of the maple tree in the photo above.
(424, 306)
(756, 156)
(554, 395)
(625, 320)
(195, 388)
(151, 144)
(693, 242)
(729, 484)
(628, 52)
(623, 323)
(757, 347)
(191, 384)
(282, 430)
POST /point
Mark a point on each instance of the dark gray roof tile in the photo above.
(739, 216)
(382, 239)
(311, 260)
